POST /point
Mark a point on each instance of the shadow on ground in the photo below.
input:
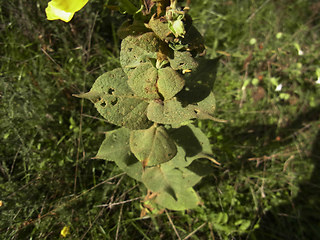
(299, 219)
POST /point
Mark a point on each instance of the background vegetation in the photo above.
(268, 184)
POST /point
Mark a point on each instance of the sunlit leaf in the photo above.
(169, 82)
(186, 199)
(116, 102)
(152, 146)
(116, 148)
(169, 112)
(138, 49)
(160, 28)
(183, 60)
(143, 81)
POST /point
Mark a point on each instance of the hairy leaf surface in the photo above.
(173, 186)
(160, 28)
(173, 112)
(186, 199)
(194, 142)
(169, 82)
(152, 146)
(138, 49)
(143, 79)
(116, 102)
(183, 60)
(169, 112)
(172, 180)
(116, 148)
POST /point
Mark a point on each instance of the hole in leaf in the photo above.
(103, 104)
(114, 102)
(110, 91)
(130, 49)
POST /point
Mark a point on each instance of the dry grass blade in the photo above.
(119, 220)
(196, 230)
(173, 226)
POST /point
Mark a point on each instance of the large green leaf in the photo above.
(152, 146)
(195, 100)
(182, 60)
(165, 178)
(116, 102)
(173, 112)
(170, 82)
(160, 28)
(198, 89)
(116, 148)
(143, 80)
(189, 178)
(148, 82)
(169, 112)
(206, 72)
(186, 199)
(113, 146)
(172, 186)
(194, 142)
(179, 160)
(138, 49)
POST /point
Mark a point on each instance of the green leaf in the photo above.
(194, 142)
(195, 100)
(173, 112)
(189, 177)
(169, 112)
(138, 49)
(244, 225)
(201, 168)
(143, 79)
(170, 82)
(116, 148)
(182, 60)
(179, 160)
(171, 180)
(172, 184)
(157, 180)
(206, 107)
(152, 146)
(199, 83)
(116, 102)
(187, 199)
(146, 81)
(111, 147)
(160, 28)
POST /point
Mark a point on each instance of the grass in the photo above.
(267, 187)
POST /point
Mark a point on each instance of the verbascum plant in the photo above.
(153, 98)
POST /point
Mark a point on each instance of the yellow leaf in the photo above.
(64, 9)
